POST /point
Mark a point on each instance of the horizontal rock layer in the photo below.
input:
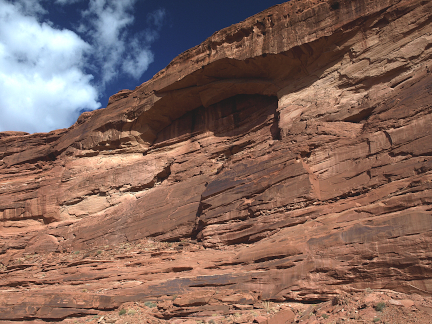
(294, 147)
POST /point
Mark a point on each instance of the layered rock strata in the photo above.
(294, 148)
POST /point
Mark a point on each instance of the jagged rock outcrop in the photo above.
(294, 148)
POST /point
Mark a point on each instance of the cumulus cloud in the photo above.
(45, 78)
(42, 86)
(106, 22)
(30, 7)
(137, 59)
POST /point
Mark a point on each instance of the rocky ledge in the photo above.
(287, 159)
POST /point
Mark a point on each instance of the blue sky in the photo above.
(61, 57)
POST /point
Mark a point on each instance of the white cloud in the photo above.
(30, 7)
(157, 17)
(137, 61)
(42, 86)
(106, 23)
(43, 83)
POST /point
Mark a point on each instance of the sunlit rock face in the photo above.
(294, 149)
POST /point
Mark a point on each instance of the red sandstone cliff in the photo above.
(293, 148)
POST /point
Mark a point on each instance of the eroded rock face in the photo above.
(294, 148)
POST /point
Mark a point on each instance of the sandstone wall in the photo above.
(297, 142)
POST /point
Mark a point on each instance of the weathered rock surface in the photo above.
(294, 148)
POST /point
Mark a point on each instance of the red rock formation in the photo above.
(294, 148)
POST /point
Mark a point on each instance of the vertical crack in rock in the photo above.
(388, 138)
(199, 224)
(275, 129)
